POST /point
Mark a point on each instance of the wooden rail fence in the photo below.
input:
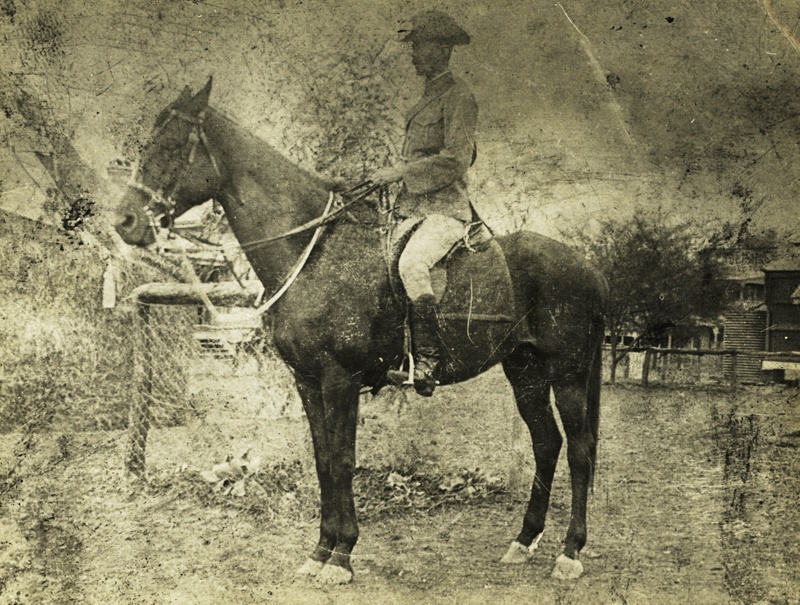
(649, 352)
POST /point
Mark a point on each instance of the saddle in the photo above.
(472, 283)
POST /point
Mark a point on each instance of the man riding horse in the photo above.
(525, 301)
(439, 147)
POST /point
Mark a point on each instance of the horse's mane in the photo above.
(258, 146)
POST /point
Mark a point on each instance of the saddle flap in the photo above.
(471, 283)
(478, 285)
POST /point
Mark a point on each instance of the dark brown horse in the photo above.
(340, 326)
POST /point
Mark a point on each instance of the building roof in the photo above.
(788, 261)
(790, 265)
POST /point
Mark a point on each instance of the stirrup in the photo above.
(400, 377)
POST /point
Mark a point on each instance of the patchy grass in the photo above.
(694, 501)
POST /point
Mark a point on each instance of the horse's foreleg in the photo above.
(341, 396)
(571, 403)
(311, 395)
(532, 393)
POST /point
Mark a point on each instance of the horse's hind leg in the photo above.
(571, 400)
(528, 377)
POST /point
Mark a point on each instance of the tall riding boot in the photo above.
(424, 328)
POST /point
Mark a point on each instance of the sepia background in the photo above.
(585, 108)
(589, 113)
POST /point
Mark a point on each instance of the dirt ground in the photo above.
(694, 502)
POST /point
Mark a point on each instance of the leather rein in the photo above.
(197, 137)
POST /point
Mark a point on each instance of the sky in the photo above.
(588, 109)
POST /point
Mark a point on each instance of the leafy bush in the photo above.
(67, 363)
(288, 490)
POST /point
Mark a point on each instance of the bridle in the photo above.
(157, 199)
(197, 135)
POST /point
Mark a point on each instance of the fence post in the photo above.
(646, 367)
(734, 380)
(140, 415)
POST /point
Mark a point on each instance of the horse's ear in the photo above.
(186, 95)
(200, 100)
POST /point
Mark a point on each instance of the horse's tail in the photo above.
(593, 390)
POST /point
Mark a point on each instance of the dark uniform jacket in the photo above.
(439, 148)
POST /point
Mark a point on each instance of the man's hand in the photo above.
(389, 174)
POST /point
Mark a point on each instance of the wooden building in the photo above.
(782, 356)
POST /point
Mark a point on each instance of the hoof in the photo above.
(567, 569)
(310, 568)
(518, 553)
(333, 575)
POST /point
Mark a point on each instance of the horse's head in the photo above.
(177, 170)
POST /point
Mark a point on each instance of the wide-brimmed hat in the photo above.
(435, 26)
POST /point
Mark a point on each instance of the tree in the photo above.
(738, 244)
(660, 275)
(355, 125)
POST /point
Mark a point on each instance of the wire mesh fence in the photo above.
(164, 350)
(188, 367)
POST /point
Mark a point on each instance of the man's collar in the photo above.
(439, 84)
